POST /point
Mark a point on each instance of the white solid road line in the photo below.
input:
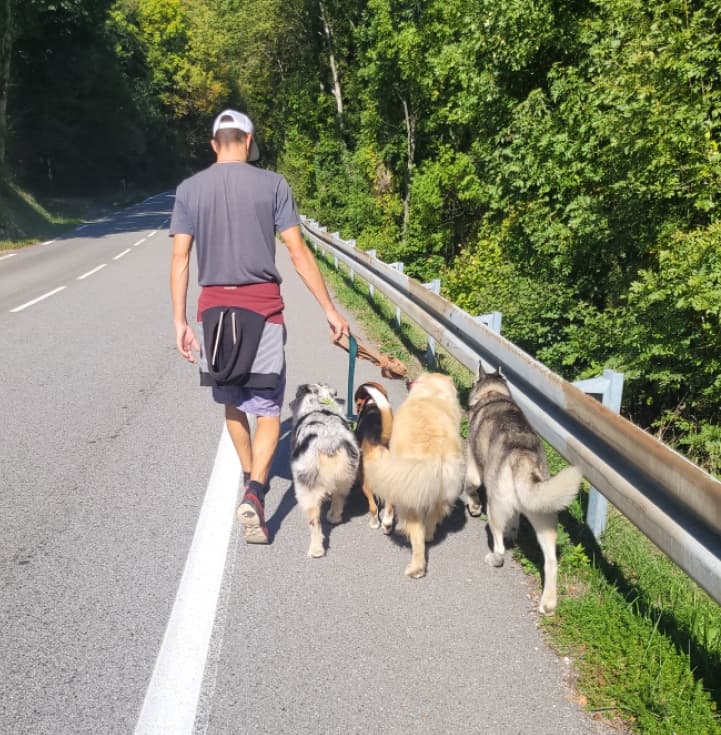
(120, 255)
(90, 273)
(9, 255)
(39, 298)
(140, 242)
(171, 700)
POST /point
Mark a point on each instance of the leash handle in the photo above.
(352, 353)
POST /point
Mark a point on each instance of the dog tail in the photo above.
(415, 484)
(552, 495)
(385, 411)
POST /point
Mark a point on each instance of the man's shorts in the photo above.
(255, 401)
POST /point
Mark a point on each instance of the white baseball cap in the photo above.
(239, 122)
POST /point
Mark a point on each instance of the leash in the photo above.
(352, 354)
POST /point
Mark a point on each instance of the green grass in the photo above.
(645, 639)
(26, 219)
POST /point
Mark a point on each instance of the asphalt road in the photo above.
(128, 600)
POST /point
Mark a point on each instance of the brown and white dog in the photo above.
(373, 432)
(422, 473)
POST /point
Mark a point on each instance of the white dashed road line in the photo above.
(90, 273)
(171, 700)
(39, 298)
(79, 278)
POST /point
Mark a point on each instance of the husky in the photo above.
(505, 455)
(373, 432)
(422, 473)
(324, 457)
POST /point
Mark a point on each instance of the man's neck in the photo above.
(232, 154)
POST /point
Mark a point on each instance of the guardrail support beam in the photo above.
(371, 288)
(609, 388)
(398, 267)
(433, 286)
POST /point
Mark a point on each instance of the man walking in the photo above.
(231, 211)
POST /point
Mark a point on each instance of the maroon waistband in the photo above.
(262, 298)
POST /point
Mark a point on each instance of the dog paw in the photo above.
(494, 560)
(415, 572)
(475, 510)
(334, 518)
(374, 521)
(316, 552)
(547, 607)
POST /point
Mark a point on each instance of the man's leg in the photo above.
(257, 456)
(239, 430)
(265, 442)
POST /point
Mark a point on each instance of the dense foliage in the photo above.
(556, 161)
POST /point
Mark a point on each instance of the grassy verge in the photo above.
(26, 219)
(645, 639)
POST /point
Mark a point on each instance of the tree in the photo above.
(6, 45)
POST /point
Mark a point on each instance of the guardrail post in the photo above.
(397, 266)
(335, 235)
(351, 273)
(435, 287)
(371, 289)
(609, 388)
(491, 320)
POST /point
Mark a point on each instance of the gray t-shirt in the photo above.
(233, 211)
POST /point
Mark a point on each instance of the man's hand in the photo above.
(338, 325)
(186, 342)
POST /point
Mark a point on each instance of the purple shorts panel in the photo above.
(255, 401)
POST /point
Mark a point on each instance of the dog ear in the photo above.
(480, 373)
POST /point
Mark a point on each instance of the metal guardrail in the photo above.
(672, 501)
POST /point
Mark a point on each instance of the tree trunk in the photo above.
(410, 162)
(337, 91)
(6, 44)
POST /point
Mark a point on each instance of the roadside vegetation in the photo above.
(25, 219)
(645, 640)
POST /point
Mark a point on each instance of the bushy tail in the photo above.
(552, 495)
(385, 411)
(416, 484)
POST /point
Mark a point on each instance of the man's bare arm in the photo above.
(179, 273)
(304, 263)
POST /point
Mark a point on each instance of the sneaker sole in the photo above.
(253, 531)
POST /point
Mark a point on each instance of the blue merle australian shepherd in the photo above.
(324, 457)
